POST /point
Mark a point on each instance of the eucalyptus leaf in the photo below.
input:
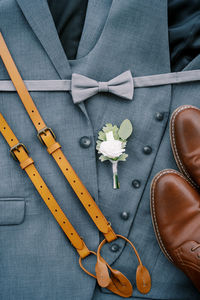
(102, 136)
(98, 144)
(103, 158)
(115, 132)
(123, 157)
(124, 144)
(125, 129)
(108, 127)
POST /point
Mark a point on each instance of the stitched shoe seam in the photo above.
(188, 264)
(160, 174)
(173, 142)
(154, 213)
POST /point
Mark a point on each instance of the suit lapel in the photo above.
(40, 19)
(38, 15)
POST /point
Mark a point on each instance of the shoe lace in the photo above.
(195, 248)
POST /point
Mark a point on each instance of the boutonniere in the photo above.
(111, 145)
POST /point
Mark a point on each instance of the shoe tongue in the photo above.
(143, 279)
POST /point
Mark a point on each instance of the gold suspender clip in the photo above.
(43, 131)
(16, 148)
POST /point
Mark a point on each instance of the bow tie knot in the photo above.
(103, 86)
(83, 87)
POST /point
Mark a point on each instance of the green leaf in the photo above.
(107, 128)
(103, 158)
(102, 136)
(98, 143)
(125, 129)
(123, 157)
(114, 159)
(115, 132)
(124, 144)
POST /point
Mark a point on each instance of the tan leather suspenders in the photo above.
(117, 282)
(47, 137)
(20, 153)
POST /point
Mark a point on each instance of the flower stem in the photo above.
(115, 175)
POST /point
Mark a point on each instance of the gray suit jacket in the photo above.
(37, 261)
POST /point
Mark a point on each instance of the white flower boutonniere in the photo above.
(111, 145)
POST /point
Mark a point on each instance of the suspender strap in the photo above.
(20, 153)
(47, 137)
(117, 283)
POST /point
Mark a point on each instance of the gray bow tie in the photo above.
(83, 87)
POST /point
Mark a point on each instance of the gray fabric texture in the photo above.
(37, 261)
(83, 87)
(80, 83)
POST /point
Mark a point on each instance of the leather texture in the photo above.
(175, 208)
(175, 200)
(27, 164)
(112, 279)
(143, 279)
(185, 137)
(47, 138)
(117, 283)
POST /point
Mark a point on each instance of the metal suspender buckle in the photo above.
(43, 131)
(16, 148)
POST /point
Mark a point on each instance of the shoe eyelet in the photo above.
(192, 249)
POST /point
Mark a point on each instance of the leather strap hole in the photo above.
(11, 140)
(59, 157)
(74, 181)
(41, 186)
(81, 193)
(56, 210)
(48, 198)
(64, 222)
(32, 111)
(33, 174)
(72, 233)
(67, 169)
(4, 128)
(39, 123)
(89, 205)
(96, 217)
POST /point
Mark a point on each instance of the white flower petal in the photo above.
(111, 148)
(109, 136)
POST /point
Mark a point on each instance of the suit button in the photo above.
(85, 142)
(147, 150)
(136, 184)
(125, 215)
(159, 116)
(114, 248)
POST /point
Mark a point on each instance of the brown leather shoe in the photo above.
(175, 209)
(185, 141)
